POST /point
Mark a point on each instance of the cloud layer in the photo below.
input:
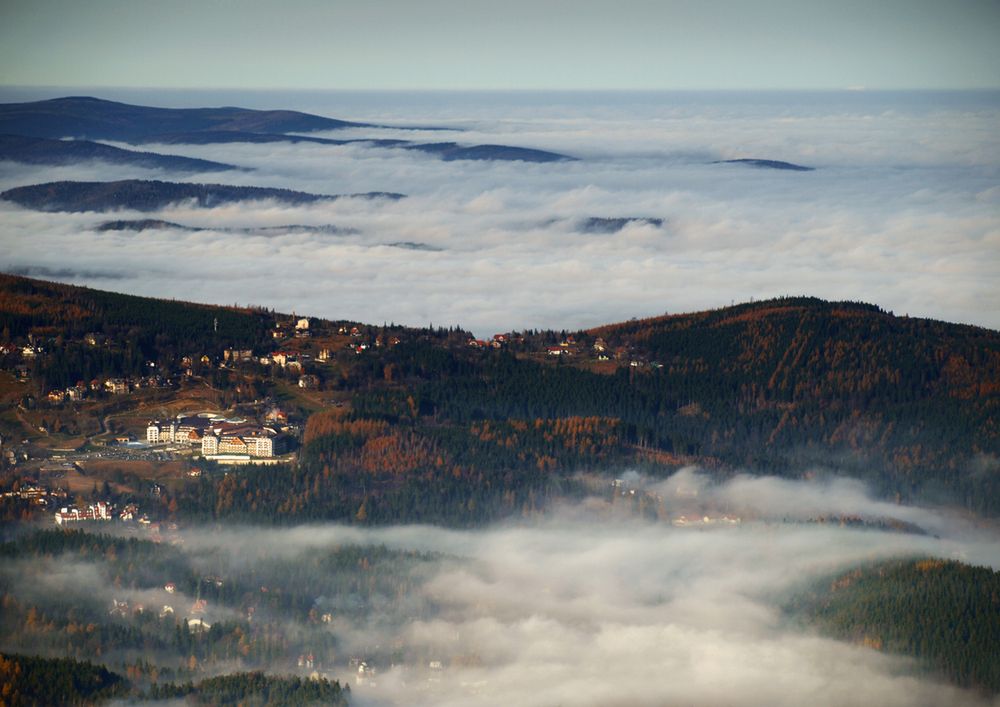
(587, 605)
(902, 211)
(583, 609)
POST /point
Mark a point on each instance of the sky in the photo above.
(517, 44)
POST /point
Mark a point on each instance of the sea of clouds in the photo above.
(901, 210)
(587, 605)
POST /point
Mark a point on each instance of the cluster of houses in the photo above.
(114, 386)
(37, 495)
(299, 329)
(218, 437)
(497, 342)
(28, 351)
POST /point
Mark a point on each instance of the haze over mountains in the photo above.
(153, 195)
(43, 151)
(92, 118)
(728, 232)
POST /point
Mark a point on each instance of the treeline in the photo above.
(137, 330)
(256, 688)
(30, 680)
(26, 681)
(143, 195)
(945, 613)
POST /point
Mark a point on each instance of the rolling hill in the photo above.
(96, 119)
(44, 151)
(150, 195)
(792, 387)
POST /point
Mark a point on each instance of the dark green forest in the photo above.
(29, 681)
(944, 613)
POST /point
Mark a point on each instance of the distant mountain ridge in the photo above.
(97, 119)
(768, 164)
(149, 195)
(447, 151)
(46, 151)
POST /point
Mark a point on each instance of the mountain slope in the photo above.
(944, 613)
(432, 429)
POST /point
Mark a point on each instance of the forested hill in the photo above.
(29, 150)
(809, 381)
(150, 195)
(154, 328)
(432, 425)
(96, 119)
(797, 350)
(944, 613)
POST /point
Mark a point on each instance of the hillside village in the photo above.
(204, 412)
(253, 402)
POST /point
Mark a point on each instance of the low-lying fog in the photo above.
(582, 608)
(591, 606)
(901, 210)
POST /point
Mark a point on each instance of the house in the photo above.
(302, 324)
(198, 625)
(285, 358)
(276, 415)
(309, 382)
(116, 386)
(234, 355)
(556, 350)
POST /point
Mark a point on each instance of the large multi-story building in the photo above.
(254, 442)
(183, 430)
(95, 511)
(217, 436)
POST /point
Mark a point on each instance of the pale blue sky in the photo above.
(514, 44)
